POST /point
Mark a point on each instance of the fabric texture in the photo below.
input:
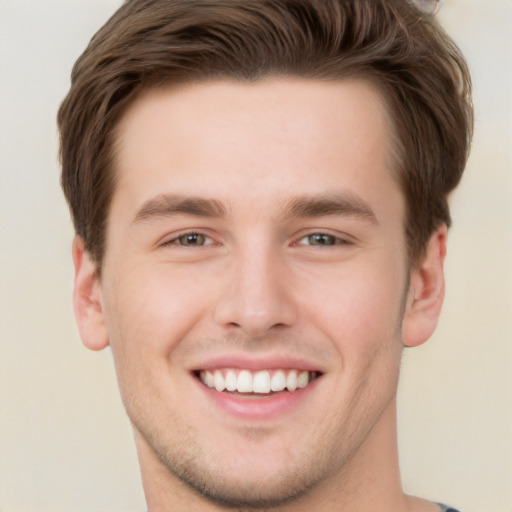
(445, 508)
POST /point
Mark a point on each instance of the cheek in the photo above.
(153, 308)
(360, 302)
(148, 314)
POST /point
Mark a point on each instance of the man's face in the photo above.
(256, 233)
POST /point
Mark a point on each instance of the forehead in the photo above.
(262, 140)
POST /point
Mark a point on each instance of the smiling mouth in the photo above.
(261, 382)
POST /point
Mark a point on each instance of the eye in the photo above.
(190, 240)
(322, 239)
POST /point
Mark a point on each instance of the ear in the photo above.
(426, 292)
(87, 299)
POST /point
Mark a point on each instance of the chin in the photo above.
(263, 475)
(248, 490)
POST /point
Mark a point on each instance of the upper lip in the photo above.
(257, 362)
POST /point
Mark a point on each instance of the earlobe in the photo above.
(87, 299)
(426, 292)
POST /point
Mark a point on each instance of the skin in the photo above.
(255, 285)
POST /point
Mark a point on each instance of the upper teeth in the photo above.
(263, 381)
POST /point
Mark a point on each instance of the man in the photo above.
(259, 192)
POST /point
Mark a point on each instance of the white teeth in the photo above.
(209, 380)
(231, 380)
(261, 382)
(291, 380)
(303, 379)
(278, 382)
(244, 382)
(218, 380)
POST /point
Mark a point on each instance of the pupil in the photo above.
(321, 239)
(192, 239)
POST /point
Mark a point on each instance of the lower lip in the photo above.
(254, 407)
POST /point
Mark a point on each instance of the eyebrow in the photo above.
(331, 204)
(170, 205)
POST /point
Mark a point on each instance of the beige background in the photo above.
(65, 444)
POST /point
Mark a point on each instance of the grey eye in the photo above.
(321, 239)
(426, 8)
(192, 239)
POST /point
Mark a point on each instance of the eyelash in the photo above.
(181, 237)
(334, 240)
(206, 240)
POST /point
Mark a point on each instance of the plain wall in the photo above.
(65, 443)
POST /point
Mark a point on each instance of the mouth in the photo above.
(258, 383)
(257, 388)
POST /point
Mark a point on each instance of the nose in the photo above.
(257, 297)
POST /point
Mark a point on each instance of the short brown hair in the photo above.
(414, 65)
